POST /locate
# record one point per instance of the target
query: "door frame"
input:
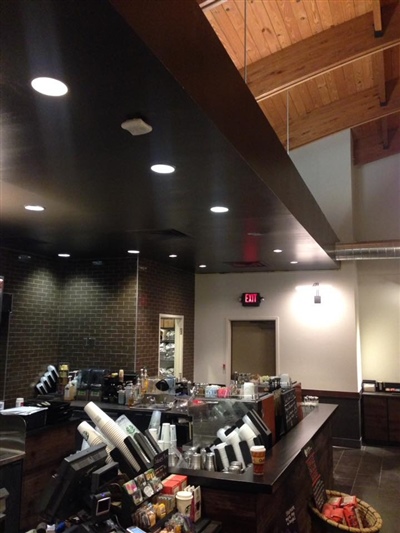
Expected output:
(228, 344)
(178, 356)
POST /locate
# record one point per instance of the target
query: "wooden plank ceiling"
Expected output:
(317, 67)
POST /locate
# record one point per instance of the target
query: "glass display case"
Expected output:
(210, 415)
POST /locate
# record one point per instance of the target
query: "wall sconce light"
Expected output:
(317, 296)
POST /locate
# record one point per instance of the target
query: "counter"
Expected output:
(259, 503)
(45, 448)
(380, 416)
(12, 453)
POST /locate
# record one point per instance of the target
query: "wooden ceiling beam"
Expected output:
(371, 148)
(321, 52)
(342, 114)
(385, 133)
(377, 13)
(378, 69)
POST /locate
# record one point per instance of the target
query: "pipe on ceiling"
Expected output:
(367, 250)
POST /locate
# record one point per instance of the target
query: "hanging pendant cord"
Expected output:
(287, 121)
(245, 41)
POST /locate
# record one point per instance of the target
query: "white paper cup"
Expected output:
(184, 502)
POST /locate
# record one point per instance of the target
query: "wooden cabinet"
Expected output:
(394, 419)
(381, 418)
(44, 450)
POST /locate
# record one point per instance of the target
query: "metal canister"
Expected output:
(237, 464)
(203, 453)
(210, 461)
(234, 469)
(196, 461)
(188, 456)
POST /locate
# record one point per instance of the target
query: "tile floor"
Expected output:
(373, 475)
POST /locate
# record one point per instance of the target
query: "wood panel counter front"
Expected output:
(264, 504)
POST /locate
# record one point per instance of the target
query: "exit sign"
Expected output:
(251, 299)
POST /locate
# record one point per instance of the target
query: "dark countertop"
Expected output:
(10, 456)
(382, 394)
(279, 458)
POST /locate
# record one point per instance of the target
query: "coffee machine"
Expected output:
(112, 382)
(90, 384)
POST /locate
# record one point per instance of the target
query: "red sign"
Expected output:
(251, 299)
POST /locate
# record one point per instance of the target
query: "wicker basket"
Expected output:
(368, 513)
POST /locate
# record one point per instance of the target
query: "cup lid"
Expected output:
(257, 449)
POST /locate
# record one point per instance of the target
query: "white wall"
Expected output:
(377, 200)
(325, 167)
(316, 343)
(357, 326)
(379, 294)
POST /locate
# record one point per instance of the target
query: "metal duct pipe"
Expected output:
(367, 250)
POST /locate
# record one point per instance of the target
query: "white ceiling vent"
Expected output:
(136, 126)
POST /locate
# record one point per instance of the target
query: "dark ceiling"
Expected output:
(162, 62)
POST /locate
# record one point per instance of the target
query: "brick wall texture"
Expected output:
(89, 316)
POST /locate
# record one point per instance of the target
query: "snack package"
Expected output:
(349, 500)
(328, 509)
(336, 501)
(337, 515)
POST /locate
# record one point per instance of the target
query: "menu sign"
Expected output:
(318, 488)
(290, 412)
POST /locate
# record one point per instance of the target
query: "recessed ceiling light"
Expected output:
(133, 252)
(64, 255)
(202, 266)
(219, 209)
(293, 262)
(172, 255)
(162, 169)
(49, 86)
(277, 251)
(34, 207)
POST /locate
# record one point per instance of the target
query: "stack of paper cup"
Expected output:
(154, 433)
(166, 434)
(111, 431)
(247, 434)
(172, 429)
(222, 452)
(233, 439)
(93, 438)
(155, 421)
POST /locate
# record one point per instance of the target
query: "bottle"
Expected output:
(67, 391)
(121, 397)
(145, 381)
(129, 394)
(72, 390)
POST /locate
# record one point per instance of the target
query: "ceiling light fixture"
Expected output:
(133, 252)
(219, 209)
(34, 207)
(49, 86)
(64, 255)
(293, 262)
(136, 126)
(277, 251)
(202, 266)
(162, 168)
(172, 255)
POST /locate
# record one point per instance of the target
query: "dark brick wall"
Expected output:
(98, 314)
(86, 315)
(164, 291)
(33, 327)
